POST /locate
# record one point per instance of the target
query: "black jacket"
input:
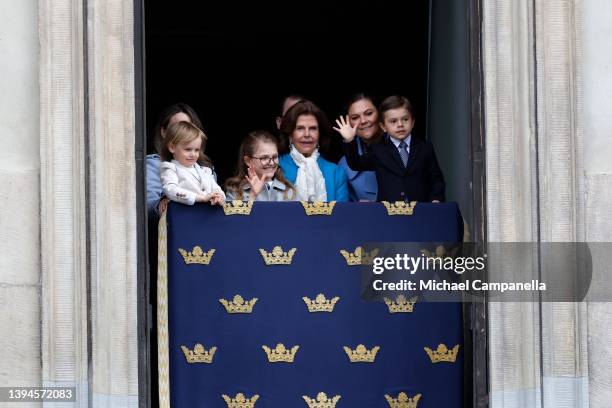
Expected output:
(421, 180)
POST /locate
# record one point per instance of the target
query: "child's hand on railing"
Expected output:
(163, 205)
(217, 198)
(203, 198)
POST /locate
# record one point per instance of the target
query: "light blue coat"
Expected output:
(335, 178)
(154, 185)
(362, 184)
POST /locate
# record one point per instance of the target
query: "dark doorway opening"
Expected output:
(235, 62)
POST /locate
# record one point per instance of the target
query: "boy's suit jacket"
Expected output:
(181, 185)
(420, 180)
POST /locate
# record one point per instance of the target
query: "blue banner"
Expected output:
(241, 321)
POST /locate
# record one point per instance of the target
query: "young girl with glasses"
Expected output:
(183, 179)
(258, 176)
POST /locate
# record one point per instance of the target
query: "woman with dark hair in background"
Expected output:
(363, 114)
(288, 102)
(305, 133)
(178, 112)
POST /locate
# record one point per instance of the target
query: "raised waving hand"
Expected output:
(347, 131)
(257, 183)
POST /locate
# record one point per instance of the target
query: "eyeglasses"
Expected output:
(267, 160)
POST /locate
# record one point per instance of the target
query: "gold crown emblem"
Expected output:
(320, 303)
(403, 401)
(199, 354)
(361, 354)
(443, 354)
(238, 305)
(240, 401)
(401, 304)
(197, 256)
(280, 353)
(322, 401)
(237, 207)
(359, 256)
(277, 256)
(400, 207)
(318, 207)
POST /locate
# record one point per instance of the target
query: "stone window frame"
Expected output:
(89, 203)
(90, 253)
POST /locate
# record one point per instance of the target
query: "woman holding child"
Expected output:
(178, 112)
(305, 133)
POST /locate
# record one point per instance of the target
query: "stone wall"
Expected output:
(597, 125)
(548, 84)
(20, 267)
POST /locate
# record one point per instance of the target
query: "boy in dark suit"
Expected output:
(406, 168)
